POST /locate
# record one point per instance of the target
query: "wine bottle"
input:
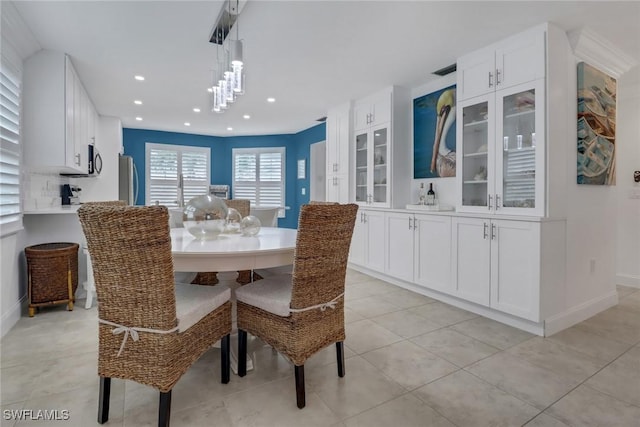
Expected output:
(431, 196)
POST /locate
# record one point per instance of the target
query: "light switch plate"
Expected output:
(303, 191)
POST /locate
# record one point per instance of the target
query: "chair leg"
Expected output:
(340, 356)
(300, 395)
(225, 360)
(164, 412)
(242, 353)
(103, 400)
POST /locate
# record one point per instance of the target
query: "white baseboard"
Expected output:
(579, 313)
(11, 317)
(628, 280)
(523, 324)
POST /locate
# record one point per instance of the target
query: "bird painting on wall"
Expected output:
(443, 160)
(434, 134)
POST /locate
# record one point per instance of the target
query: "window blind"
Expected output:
(10, 212)
(258, 175)
(167, 163)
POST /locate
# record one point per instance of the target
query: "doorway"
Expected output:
(317, 170)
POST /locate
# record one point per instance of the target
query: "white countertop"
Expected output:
(67, 209)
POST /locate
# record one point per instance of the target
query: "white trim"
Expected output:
(579, 313)
(11, 316)
(591, 47)
(525, 325)
(628, 280)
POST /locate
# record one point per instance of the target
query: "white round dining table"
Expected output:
(271, 247)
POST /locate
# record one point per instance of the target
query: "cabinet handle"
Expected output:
(485, 230)
(493, 231)
(409, 223)
(490, 79)
(497, 201)
(77, 159)
(498, 81)
(335, 167)
(364, 215)
(489, 201)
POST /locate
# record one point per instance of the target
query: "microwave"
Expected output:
(94, 161)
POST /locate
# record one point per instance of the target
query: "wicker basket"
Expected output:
(52, 274)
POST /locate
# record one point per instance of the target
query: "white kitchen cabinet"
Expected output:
(432, 252)
(373, 110)
(419, 249)
(337, 149)
(498, 264)
(501, 146)
(472, 258)
(368, 241)
(56, 114)
(400, 245)
(381, 149)
(513, 61)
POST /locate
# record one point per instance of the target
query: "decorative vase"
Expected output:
(205, 217)
(233, 221)
(250, 225)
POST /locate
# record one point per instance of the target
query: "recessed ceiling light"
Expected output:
(139, 119)
(137, 102)
(209, 89)
(187, 124)
(196, 110)
(229, 128)
(139, 78)
(271, 100)
(246, 117)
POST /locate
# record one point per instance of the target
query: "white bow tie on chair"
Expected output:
(133, 331)
(331, 304)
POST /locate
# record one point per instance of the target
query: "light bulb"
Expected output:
(216, 99)
(238, 79)
(228, 77)
(222, 88)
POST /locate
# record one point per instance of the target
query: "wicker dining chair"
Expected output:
(243, 206)
(302, 313)
(169, 325)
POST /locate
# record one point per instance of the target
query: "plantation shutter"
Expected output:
(258, 175)
(166, 163)
(10, 212)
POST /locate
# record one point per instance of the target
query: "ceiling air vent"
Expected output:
(322, 119)
(446, 70)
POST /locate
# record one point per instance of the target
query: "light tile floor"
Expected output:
(410, 361)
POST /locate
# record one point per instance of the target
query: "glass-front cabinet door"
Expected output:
(475, 155)
(372, 166)
(520, 158)
(362, 168)
(380, 165)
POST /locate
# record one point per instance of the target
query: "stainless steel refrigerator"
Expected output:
(127, 180)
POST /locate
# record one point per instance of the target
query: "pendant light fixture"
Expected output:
(228, 79)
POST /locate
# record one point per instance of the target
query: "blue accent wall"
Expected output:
(296, 148)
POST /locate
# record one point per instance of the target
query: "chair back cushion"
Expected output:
(130, 249)
(322, 251)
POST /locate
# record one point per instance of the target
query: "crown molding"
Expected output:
(591, 47)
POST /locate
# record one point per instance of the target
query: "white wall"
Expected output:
(628, 160)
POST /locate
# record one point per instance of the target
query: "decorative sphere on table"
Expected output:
(250, 225)
(205, 217)
(233, 221)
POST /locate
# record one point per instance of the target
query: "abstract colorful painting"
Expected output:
(596, 126)
(434, 134)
